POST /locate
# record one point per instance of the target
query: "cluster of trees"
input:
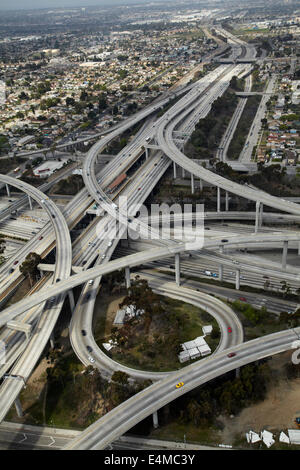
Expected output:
(29, 267)
(209, 131)
(49, 103)
(224, 395)
(69, 186)
(252, 314)
(271, 176)
(3, 144)
(237, 143)
(154, 333)
(84, 395)
(2, 248)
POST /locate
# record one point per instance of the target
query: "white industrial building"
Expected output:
(47, 168)
(193, 349)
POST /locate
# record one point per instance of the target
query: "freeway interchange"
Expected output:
(42, 308)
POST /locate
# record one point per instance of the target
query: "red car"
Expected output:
(41, 238)
(229, 329)
(16, 262)
(243, 299)
(231, 354)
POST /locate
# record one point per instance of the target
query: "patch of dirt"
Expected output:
(276, 413)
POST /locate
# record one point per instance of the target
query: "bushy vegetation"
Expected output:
(225, 395)
(152, 340)
(208, 133)
(69, 186)
(239, 138)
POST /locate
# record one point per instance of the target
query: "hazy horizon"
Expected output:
(39, 5)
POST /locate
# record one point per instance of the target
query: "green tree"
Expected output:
(120, 377)
(29, 266)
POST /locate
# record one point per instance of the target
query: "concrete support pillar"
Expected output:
(177, 268)
(155, 420)
(220, 272)
(52, 340)
(201, 184)
(71, 300)
(226, 201)
(218, 199)
(237, 372)
(127, 277)
(298, 248)
(183, 172)
(174, 170)
(257, 216)
(237, 279)
(192, 184)
(221, 248)
(261, 214)
(147, 153)
(30, 202)
(7, 190)
(284, 253)
(18, 407)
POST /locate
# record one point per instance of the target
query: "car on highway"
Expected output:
(180, 384)
(243, 299)
(88, 295)
(89, 348)
(53, 216)
(91, 281)
(110, 243)
(231, 354)
(16, 262)
(11, 271)
(91, 359)
(83, 332)
(103, 256)
(58, 279)
(224, 240)
(229, 329)
(214, 275)
(41, 238)
(83, 262)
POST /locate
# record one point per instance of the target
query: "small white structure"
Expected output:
(267, 438)
(294, 435)
(195, 348)
(207, 329)
(126, 314)
(252, 437)
(283, 438)
(200, 341)
(47, 168)
(204, 350)
(119, 318)
(194, 353)
(190, 344)
(108, 346)
(183, 356)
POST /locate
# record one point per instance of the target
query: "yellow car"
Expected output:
(180, 384)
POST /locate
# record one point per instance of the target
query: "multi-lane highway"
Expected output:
(160, 137)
